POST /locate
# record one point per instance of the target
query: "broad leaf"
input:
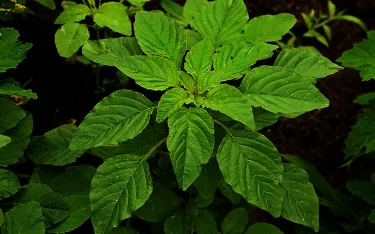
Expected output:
(206, 223)
(365, 99)
(222, 21)
(4, 140)
(300, 202)
(9, 184)
(362, 135)
(32, 192)
(307, 64)
(251, 164)
(48, 3)
(228, 192)
(174, 11)
(53, 147)
(363, 189)
(160, 35)
(107, 51)
(207, 181)
(361, 57)
(141, 144)
(201, 202)
(179, 223)
(263, 228)
(212, 79)
(236, 59)
(13, 88)
(235, 222)
(74, 13)
(12, 52)
(104, 152)
(10, 114)
(161, 204)
(79, 178)
(20, 138)
(113, 15)
(131, 186)
(268, 28)
(187, 81)
(150, 72)
(264, 118)
(191, 9)
(79, 207)
(118, 117)
(138, 3)
(199, 58)
(281, 91)
(228, 100)
(190, 143)
(193, 37)
(171, 100)
(70, 37)
(24, 219)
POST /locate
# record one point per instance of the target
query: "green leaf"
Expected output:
(131, 186)
(12, 52)
(74, 13)
(371, 217)
(70, 37)
(281, 91)
(160, 35)
(150, 72)
(79, 212)
(228, 192)
(79, 178)
(353, 19)
(53, 147)
(171, 100)
(307, 64)
(206, 223)
(179, 223)
(251, 164)
(192, 37)
(174, 10)
(207, 181)
(365, 99)
(1, 218)
(50, 4)
(113, 15)
(13, 88)
(23, 219)
(123, 230)
(319, 37)
(4, 140)
(141, 144)
(107, 51)
(187, 81)
(236, 59)
(307, 20)
(212, 79)
(9, 183)
(264, 118)
(20, 135)
(263, 228)
(201, 202)
(228, 100)
(161, 204)
(363, 189)
(190, 143)
(138, 3)
(361, 57)
(361, 135)
(54, 207)
(327, 31)
(268, 28)
(192, 8)
(222, 21)
(199, 58)
(104, 152)
(118, 117)
(10, 114)
(300, 202)
(235, 222)
(331, 8)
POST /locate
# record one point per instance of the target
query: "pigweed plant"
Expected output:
(200, 137)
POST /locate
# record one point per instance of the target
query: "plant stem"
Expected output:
(222, 125)
(156, 146)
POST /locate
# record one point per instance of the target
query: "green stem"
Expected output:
(222, 125)
(324, 23)
(156, 146)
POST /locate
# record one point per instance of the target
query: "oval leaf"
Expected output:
(118, 117)
(130, 187)
(190, 143)
(9, 183)
(74, 13)
(251, 164)
(235, 222)
(199, 58)
(170, 102)
(10, 114)
(263, 228)
(70, 37)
